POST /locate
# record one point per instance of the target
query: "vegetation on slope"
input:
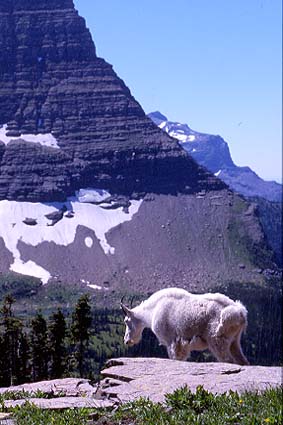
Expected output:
(181, 408)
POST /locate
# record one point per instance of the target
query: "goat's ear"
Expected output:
(126, 310)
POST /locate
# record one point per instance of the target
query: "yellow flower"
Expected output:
(240, 401)
(267, 420)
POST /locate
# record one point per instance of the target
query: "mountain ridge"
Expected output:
(213, 152)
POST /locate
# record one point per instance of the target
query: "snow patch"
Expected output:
(88, 242)
(43, 139)
(30, 269)
(191, 138)
(178, 131)
(182, 136)
(95, 218)
(92, 195)
(179, 136)
(163, 124)
(95, 286)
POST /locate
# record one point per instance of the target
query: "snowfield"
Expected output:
(94, 217)
(183, 134)
(43, 139)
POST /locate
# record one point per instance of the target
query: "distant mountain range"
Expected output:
(213, 153)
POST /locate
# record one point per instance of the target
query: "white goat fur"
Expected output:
(184, 322)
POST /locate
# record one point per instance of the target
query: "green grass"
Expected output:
(47, 417)
(22, 394)
(184, 407)
(181, 408)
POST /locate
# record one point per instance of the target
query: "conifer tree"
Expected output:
(57, 349)
(39, 348)
(23, 364)
(10, 341)
(80, 330)
(3, 363)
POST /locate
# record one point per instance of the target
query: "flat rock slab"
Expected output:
(5, 419)
(64, 393)
(126, 379)
(69, 387)
(62, 403)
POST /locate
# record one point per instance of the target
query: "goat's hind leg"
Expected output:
(237, 352)
(220, 347)
(197, 343)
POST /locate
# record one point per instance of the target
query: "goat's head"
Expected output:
(134, 326)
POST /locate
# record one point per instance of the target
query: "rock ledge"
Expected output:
(130, 378)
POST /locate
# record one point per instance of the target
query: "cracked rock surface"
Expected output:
(58, 394)
(127, 379)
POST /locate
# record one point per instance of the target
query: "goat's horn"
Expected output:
(127, 311)
(132, 300)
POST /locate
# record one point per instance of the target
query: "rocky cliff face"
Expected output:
(135, 209)
(52, 84)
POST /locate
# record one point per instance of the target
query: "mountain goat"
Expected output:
(184, 322)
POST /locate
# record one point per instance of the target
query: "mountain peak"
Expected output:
(213, 152)
(68, 122)
(26, 5)
(157, 116)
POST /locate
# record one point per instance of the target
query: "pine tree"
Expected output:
(80, 330)
(57, 349)
(10, 342)
(3, 363)
(23, 364)
(39, 348)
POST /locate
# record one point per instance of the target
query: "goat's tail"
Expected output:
(232, 319)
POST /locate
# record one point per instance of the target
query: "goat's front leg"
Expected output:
(171, 350)
(179, 349)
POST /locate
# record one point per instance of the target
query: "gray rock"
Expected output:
(153, 378)
(30, 221)
(61, 394)
(62, 403)
(126, 379)
(69, 387)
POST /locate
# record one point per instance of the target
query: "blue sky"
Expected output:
(213, 64)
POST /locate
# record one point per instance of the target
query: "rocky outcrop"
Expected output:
(127, 379)
(55, 85)
(64, 393)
